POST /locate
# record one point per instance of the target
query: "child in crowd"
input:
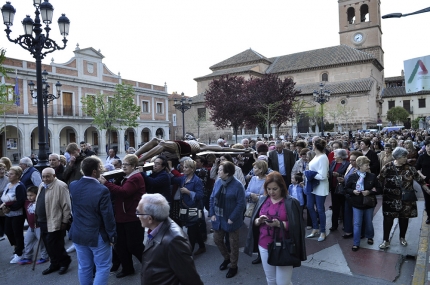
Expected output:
(32, 236)
(295, 189)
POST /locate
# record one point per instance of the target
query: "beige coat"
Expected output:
(57, 204)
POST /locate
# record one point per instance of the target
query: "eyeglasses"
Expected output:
(139, 214)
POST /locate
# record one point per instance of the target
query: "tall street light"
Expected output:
(322, 97)
(39, 45)
(183, 106)
(46, 99)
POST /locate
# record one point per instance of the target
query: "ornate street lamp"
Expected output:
(183, 106)
(47, 97)
(321, 97)
(39, 45)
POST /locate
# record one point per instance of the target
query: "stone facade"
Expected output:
(84, 74)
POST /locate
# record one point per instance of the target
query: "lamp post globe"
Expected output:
(321, 97)
(39, 44)
(182, 105)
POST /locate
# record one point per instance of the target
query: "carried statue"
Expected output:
(177, 149)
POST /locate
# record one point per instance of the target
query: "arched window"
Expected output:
(364, 13)
(351, 15)
(324, 77)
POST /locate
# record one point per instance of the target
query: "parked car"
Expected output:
(392, 129)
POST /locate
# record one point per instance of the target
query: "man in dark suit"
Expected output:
(282, 160)
(167, 258)
(93, 229)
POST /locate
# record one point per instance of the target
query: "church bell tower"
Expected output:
(360, 26)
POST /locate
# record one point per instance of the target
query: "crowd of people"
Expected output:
(277, 186)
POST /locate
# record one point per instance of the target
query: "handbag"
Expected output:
(340, 189)
(369, 201)
(249, 209)
(407, 195)
(283, 252)
(189, 215)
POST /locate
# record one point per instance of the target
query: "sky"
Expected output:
(175, 41)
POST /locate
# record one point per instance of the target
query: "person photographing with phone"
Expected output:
(275, 212)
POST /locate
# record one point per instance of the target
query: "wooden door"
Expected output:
(131, 140)
(67, 104)
(72, 138)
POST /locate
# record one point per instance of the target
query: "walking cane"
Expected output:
(37, 251)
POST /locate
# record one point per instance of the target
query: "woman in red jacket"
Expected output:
(126, 195)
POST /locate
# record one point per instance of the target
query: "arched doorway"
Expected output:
(113, 142)
(91, 136)
(11, 143)
(129, 138)
(145, 135)
(67, 135)
(159, 133)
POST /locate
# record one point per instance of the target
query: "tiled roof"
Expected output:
(318, 58)
(394, 78)
(400, 91)
(247, 56)
(241, 69)
(346, 87)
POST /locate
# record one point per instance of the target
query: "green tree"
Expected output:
(112, 112)
(397, 114)
(5, 104)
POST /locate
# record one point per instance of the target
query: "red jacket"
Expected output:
(126, 197)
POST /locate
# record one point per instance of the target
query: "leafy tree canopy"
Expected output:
(113, 111)
(271, 100)
(235, 102)
(397, 114)
(227, 102)
(5, 104)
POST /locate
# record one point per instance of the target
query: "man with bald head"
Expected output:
(53, 215)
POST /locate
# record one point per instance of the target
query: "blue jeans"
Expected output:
(319, 200)
(100, 256)
(361, 215)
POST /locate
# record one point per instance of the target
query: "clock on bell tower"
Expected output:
(360, 26)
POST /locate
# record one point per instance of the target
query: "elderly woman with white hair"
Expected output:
(30, 175)
(399, 199)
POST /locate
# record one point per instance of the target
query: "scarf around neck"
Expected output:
(360, 182)
(219, 202)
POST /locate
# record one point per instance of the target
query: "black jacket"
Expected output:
(167, 258)
(370, 181)
(296, 227)
(342, 169)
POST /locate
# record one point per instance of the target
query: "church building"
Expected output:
(352, 71)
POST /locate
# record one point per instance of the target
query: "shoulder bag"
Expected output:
(283, 252)
(407, 195)
(340, 189)
(250, 206)
(369, 201)
(188, 215)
